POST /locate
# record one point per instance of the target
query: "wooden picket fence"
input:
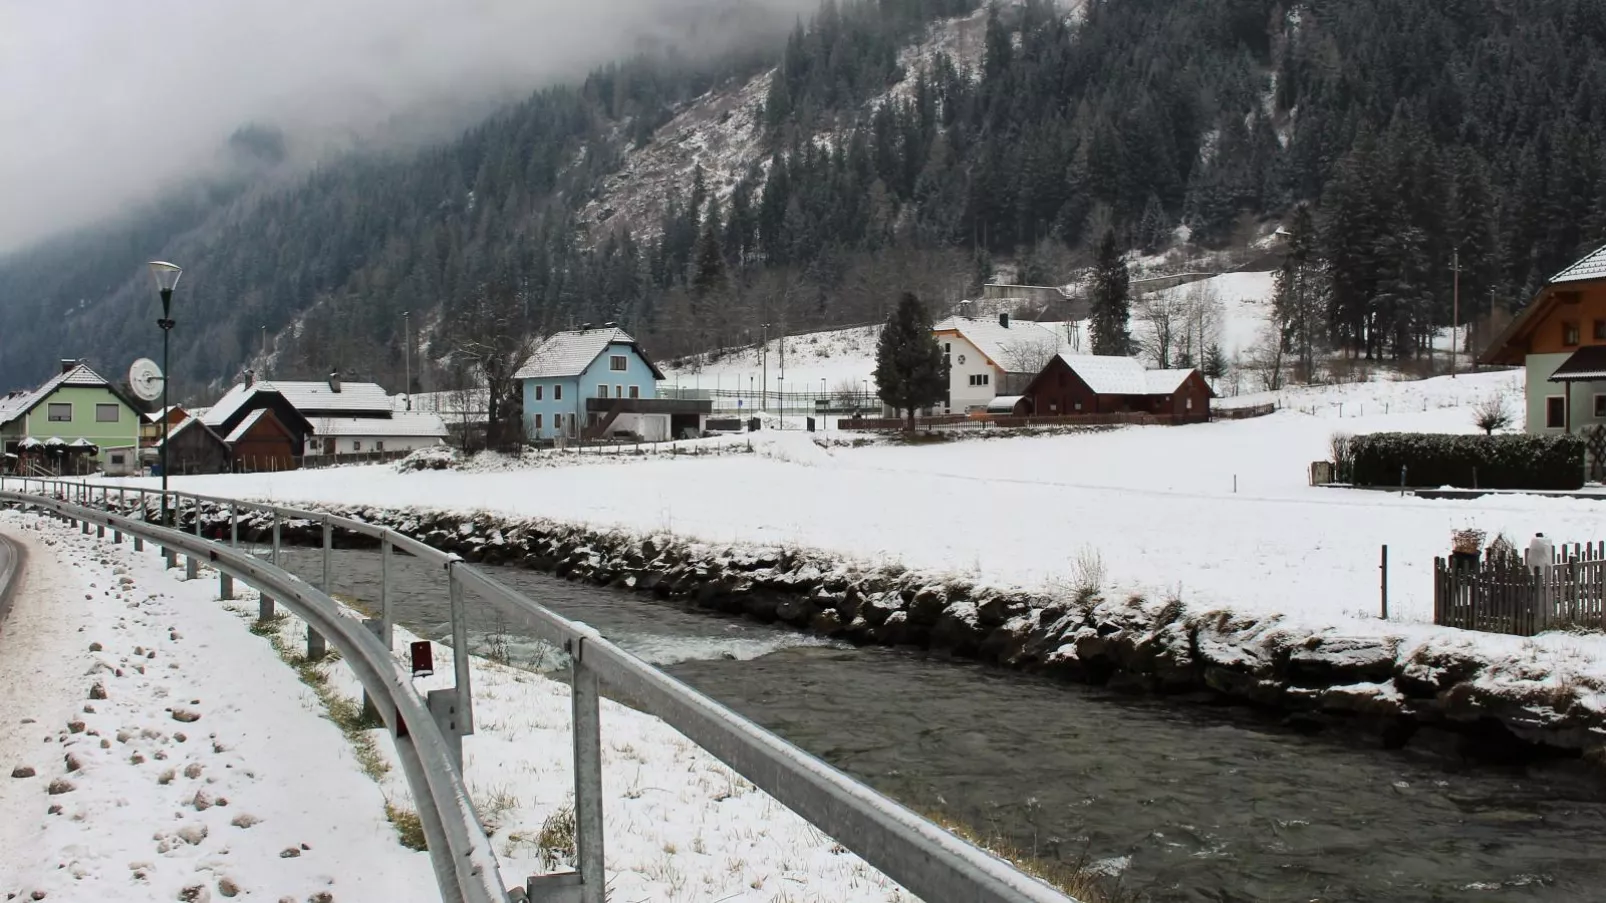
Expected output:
(1499, 594)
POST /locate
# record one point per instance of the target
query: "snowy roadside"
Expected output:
(173, 756)
(680, 825)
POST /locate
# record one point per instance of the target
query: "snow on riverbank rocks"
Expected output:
(1500, 693)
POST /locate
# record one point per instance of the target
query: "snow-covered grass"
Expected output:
(1219, 513)
(275, 790)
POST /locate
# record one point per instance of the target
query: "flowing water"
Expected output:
(1186, 803)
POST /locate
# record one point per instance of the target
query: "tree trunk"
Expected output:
(911, 420)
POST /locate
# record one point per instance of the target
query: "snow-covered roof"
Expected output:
(1020, 347)
(19, 403)
(1164, 382)
(174, 432)
(569, 353)
(1109, 374)
(405, 425)
(1004, 403)
(156, 416)
(1592, 266)
(308, 397)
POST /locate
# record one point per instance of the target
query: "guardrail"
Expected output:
(460, 852)
(921, 856)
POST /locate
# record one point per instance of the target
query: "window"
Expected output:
(557, 392)
(1189, 405)
(947, 347)
(979, 379)
(1600, 407)
(380, 445)
(618, 391)
(1569, 333)
(356, 445)
(59, 413)
(538, 388)
(1555, 412)
(107, 413)
(118, 459)
(616, 363)
(602, 390)
(1600, 330)
(538, 421)
(635, 391)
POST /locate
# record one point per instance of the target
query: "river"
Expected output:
(1188, 803)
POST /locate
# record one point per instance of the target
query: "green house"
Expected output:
(77, 405)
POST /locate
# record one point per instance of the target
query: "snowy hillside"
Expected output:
(841, 357)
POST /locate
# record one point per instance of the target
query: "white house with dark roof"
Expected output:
(591, 383)
(401, 431)
(328, 417)
(991, 356)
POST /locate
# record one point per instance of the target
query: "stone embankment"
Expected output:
(1391, 686)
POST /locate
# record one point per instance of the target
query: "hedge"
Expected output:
(1515, 461)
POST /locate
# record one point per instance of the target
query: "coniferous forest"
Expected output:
(1392, 137)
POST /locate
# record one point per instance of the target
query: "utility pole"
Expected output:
(264, 351)
(407, 355)
(1455, 313)
(764, 364)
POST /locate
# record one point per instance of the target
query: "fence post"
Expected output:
(587, 775)
(225, 590)
(1402, 479)
(234, 525)
(1384, 567)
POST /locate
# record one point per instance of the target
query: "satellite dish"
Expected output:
(146, 379)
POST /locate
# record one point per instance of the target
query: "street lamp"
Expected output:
(166, 276)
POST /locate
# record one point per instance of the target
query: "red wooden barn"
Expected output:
(1106, 384)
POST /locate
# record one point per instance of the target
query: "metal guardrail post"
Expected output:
(386, 632)
(275, 539)
(234, 525)
(225, 591)
(316, 648)
(169, 558)
(192, 567)
(587, 775)
(460, 663)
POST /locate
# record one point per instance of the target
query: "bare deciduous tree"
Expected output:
(1265, 358)
(1030, 353)
(490, 337)
(1162, 318)
(1492, 413)
(1201, 325)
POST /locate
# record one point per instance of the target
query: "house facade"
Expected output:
(1072, 384)
(77, 404)
(192, 448)
(988, 357)
(401, 431)
(1560, 341)
(593, 383)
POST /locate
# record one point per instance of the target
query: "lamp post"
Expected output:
(166, 275)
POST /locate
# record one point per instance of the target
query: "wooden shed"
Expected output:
(262, 443)
(193, 448)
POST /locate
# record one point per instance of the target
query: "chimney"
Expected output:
(334, 380)
(1003, 320)
(610, 325)
(250, 378)
(584, 327)
(67, 365)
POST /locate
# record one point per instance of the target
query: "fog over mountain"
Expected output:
(107, 103)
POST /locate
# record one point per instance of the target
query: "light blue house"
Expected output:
(593, 383)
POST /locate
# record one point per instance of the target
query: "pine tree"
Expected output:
(708, 264)
(909, 372)
(1111, 300)
(1299, 298)
(1214, 365)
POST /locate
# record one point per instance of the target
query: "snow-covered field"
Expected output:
(1219, 513)
(841, 357)
(264, 797)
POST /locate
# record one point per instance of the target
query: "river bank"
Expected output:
(1503, 698)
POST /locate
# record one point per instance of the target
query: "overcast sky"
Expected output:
(103, 101)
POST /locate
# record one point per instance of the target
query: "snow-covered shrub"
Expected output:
(438, 457)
